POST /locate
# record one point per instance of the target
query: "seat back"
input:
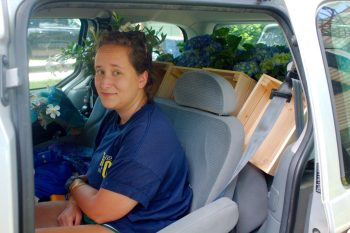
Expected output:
(211, 137)
(89, 133)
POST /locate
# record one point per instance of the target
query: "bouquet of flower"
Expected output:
(42, 111)
(52, 105)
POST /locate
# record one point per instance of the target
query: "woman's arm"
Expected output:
(101, 205)
(71, 215)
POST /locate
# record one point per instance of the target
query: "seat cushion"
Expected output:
(213, 146)
(205, 91)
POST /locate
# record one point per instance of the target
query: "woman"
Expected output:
(137, 179)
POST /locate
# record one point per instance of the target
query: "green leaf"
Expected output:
(233, 42)
(222, 32)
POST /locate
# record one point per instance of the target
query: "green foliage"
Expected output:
(250, 33)
(222, 59)
(155, 38)
(116, 21)
(85, 53)
(223, 50)
(166, 57)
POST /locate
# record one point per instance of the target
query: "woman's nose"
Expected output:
(105, 80)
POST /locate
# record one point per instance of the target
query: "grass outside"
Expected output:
(43, 74)
(43, 83)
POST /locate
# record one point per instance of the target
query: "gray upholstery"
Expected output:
(218, 216)
(251, 198)
(87, 137)
(213, 144)
(205, 91)
(277, 194)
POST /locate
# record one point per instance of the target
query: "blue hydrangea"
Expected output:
(198, 52)
(206, 51)
(251, 68)
(198, 42)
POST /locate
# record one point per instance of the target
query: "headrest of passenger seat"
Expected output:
(205, 91)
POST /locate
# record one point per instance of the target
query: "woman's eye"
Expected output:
(99, 72)
(116, 73)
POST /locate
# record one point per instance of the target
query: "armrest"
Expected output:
(219, 216)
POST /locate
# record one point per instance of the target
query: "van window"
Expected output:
(46, 39)
(271, 35)
(174, 36)
(334, 26)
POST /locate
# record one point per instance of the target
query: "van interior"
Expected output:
(218, 110)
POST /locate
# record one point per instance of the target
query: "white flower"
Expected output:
(34, 99)
(126, 27)
(53, 111)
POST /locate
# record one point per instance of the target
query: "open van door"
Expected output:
(328, 23)
(16, 197)
(9, 219)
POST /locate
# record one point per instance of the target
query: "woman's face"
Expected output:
(117, 82)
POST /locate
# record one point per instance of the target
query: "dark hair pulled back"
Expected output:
(140, 54)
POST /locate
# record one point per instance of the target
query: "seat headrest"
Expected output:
(205, 91)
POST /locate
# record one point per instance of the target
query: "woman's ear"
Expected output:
(143, 78)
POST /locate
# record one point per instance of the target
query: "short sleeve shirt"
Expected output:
(142, 159)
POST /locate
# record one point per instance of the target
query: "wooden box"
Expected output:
(241, 82)
(159, 71)
(268, 154)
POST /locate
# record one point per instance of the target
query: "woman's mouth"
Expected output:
(107, 94)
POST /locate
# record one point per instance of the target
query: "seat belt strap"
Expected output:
(263, 128)
(298, 106)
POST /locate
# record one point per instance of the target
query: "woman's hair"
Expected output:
(140, 54)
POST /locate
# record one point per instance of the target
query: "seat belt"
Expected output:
(298, 106)
(278, 99)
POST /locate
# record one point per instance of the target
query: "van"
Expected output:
(297, 177)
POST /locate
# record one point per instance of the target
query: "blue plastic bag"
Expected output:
(55, 164)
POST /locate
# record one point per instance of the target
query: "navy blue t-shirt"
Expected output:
(142, 159)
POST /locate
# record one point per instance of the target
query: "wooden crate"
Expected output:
(268, 154)
(241, 82)
(159, 71)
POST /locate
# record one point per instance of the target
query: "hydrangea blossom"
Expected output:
(210, 51)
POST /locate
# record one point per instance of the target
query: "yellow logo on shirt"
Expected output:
(105, 163)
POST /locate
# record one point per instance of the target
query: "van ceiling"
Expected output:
(180, 15)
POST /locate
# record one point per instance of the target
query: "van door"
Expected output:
(333, 22)
(9, 220)
(17, 199)
(323, 39)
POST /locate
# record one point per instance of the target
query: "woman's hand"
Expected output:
(71, 215)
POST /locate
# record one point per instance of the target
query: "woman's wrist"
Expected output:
(75, 181)
(75, 184)
(84, 178)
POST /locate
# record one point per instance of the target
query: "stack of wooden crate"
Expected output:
(241, 82)
(252, 99)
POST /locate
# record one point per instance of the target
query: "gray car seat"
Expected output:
(88, 135)
(213, 143)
